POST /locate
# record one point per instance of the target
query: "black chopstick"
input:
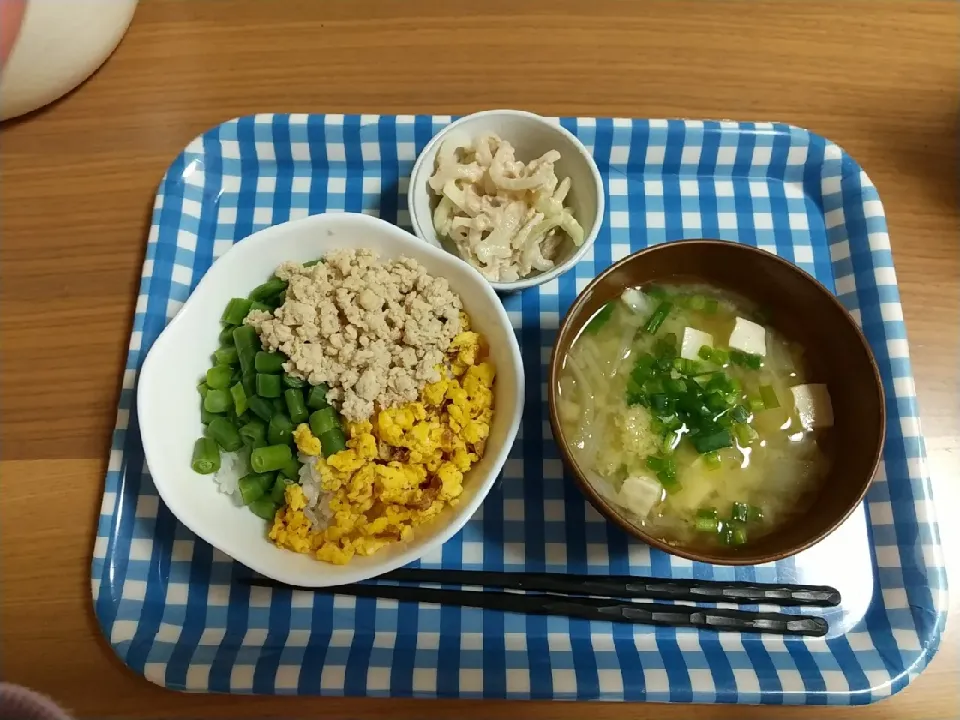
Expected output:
(626, 586)
(587, 608)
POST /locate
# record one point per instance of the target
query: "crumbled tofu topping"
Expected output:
(375, 332)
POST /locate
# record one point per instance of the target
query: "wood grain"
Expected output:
(878, 77)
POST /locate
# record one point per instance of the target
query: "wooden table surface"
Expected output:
(879, 78)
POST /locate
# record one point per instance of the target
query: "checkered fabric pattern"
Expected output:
(165, 600)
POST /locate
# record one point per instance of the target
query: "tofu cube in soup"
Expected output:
(692, 341)
(748, 337)
(639, 494)
(813, 406)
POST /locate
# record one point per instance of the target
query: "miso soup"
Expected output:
(694, 417)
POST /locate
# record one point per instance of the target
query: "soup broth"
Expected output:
(692, 416)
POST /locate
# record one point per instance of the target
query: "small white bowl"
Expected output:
(168, 405)
(532, 136)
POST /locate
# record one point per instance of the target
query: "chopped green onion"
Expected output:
(670, 441)
(712, 460)
(739, 414)
(705, 353)
(711, 306)
(720, 357)
(755, 402)
(708, 442)
(697, 302)
(601, 318)
(738, 535)
(206, 456)
(745, 434)
(740, 512)
(675, 386)
(706, 524)
(658, 316)
(755, 514)
(769, 397)
(235, 311)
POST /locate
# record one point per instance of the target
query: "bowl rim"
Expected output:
(533, 280)
(604, 507)
(462, 512)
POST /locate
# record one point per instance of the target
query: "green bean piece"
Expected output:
(235, 311)
(246, 337)
(277, 491)
(254, 433)
(311, 263)
(271, 287)
(206, 416)
(275, 301)
(236, 377)
(225, 433)
(202, 389)
(254, 485)
(658, 316)
(296, 408)
(294, 382)
(206, 456)
(279, 405)
(263, 409)
(280, 430)
(270, 458)
(322, 421)
(249, 382)
(268, 386)
(317, 397)
(292, 470)
(239, 398)
(262, 307)
(269, 362)
(226, 335)
(264, 508)
(332, 442)
(247, 360)
(218, 377)
(217, 401)
(227, 355)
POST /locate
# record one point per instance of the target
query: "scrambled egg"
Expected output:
(400, 470)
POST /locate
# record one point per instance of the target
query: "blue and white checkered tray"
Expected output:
(165, 600)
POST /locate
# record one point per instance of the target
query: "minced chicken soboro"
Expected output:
(682, 409)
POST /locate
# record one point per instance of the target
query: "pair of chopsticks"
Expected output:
(594, 597)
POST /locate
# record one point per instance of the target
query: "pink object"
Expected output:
(18, 703)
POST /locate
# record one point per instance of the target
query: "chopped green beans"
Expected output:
(277, 491)
(280, 430)
(218, 377)
(279, 406)
(601, 318)
(262, 307)
(226, 335)
(769, 397)
(217, 401)
(332, 442)
(271, 287)
(294, 382)
(235, 311)
(206, 456)
(239, 398)
(311, 263)
(254, 433)
(264, 508)
(254, 485)
(225, 434)
(260, 407)
(658, 316)
(708, 442)
(249, 382)
(202, 389)
(227, 355)
(205, 415)
(268, 386)
(322, 421)
(296, 408)
(270, 458)
(292, 469)
(245, 337)
(740, 512)
(269, 362)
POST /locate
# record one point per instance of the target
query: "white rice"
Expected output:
(317, 510)
(233, 466)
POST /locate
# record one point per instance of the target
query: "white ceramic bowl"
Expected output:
(169, 409)
(532, 136)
